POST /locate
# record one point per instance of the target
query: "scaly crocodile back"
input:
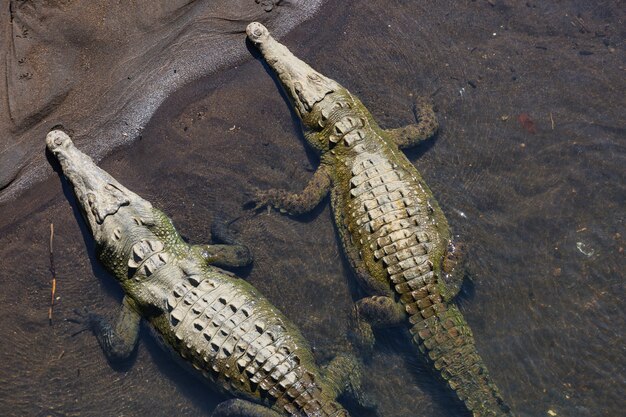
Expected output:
(231, 334)
(393, 231)
(217, 324)
(213, 321)
(401, 236)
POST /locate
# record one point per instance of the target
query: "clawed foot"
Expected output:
(361, 334)
(84, 317)
(260, 199)
(255, 200)
(220, 230)
(365, 400)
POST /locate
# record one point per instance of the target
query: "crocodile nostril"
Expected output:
(256, 31)
(56, 138)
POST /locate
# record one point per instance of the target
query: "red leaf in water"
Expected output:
(527, 123)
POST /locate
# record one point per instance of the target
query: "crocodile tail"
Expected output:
(444, 337)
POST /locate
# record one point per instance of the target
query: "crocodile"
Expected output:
(214, 323)
(392, 230)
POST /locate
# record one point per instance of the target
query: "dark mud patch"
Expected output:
(541, 213)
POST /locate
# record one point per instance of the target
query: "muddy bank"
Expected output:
(102, 69)
(528, 166)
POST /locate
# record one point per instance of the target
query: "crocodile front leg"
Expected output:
(242, 408)
(297, 203)
(226, 256)
(231, 254)
(118, 341)
(426, 126)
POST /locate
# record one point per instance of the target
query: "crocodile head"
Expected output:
(99, 195)
(304, 86)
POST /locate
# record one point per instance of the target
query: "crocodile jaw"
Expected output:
(99, 194)
(303, 84)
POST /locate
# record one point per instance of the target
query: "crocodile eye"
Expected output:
(315, 78)
(301, 98)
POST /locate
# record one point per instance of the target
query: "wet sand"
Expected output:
(542, 213)
(101, 70)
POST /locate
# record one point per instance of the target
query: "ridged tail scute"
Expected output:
(442, 334)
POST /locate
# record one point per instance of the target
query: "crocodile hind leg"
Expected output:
(375, 312)
(413, 134)
(344, 372)
(118, 341)
(380, 311)
(453, 267)
(242, 408)
(296, 203)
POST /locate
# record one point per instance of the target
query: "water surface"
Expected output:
(540, 206)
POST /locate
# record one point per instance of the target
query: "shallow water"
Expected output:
(542, 213)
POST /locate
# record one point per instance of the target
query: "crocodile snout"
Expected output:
(256, 32)
(57, 138)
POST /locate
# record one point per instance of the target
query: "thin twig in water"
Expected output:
(54, 279)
